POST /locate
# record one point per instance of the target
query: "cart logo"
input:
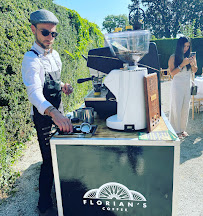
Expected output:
(114, 196)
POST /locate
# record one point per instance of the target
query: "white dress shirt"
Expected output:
(33, 73)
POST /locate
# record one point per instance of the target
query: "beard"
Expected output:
(48, 46)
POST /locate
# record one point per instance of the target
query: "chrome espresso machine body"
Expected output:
(100, 63)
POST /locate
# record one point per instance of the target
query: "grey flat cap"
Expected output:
(43, 16)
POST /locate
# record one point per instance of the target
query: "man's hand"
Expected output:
(61, 121)
(67, 89)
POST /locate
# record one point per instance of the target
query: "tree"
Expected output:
(189, 30)
(136, 15)
(164, 18)
(111, 22)
(187, 14)
(157, 16)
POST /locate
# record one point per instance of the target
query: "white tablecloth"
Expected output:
(199, 83)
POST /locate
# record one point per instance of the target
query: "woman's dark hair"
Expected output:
(179, 54)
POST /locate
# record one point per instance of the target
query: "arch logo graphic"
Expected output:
(114, 196)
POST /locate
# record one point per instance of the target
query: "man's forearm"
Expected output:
(49, 110)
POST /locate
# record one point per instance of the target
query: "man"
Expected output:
(41, 70)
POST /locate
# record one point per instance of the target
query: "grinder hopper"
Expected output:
(129, 46)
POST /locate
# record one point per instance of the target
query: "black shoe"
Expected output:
(49, 212)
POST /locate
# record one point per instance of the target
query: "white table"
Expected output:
(199, 97)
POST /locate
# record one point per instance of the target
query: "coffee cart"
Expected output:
(120, 168)
(115, 173)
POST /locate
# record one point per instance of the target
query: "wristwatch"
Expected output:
(179, 67)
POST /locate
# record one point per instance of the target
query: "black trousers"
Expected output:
(43, 127)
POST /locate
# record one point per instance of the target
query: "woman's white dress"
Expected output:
(180, 100)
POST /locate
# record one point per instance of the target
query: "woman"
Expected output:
(181, 66)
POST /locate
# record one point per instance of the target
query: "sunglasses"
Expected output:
(46, 32)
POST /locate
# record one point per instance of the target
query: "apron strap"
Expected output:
(34, 52)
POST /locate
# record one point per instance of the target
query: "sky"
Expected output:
(95, 11)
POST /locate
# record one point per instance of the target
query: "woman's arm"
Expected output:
(176, 70)
(193, 64)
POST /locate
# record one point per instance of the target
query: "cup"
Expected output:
(78, 113)
(85, 127)
(97, 83)
(88, 115)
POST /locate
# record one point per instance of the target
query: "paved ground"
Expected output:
(190, 193)
(190, 190)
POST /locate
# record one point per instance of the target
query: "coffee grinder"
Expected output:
(127, 83)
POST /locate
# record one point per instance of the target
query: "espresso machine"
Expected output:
(127, 83)
(101, 62)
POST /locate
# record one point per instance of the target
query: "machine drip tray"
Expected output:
(76, 133)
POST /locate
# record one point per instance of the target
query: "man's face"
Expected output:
(44, 41)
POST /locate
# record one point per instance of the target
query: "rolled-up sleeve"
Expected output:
(31, 69)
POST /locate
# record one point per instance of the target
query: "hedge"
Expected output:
(8, 156)
(166, 47)
(76, 37)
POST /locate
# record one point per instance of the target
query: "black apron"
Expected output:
(43, 124)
